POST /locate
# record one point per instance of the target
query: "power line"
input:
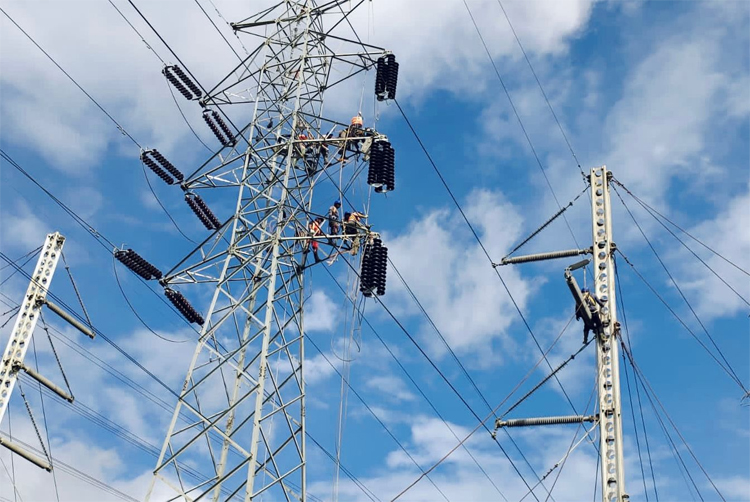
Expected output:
(679, 290)
(182, 114)
(145, 370)
(651, 211)
(62, 205)
(161, 205)
(30, 257)
(135, 313)
(148, 46)
(645, 205)
(483, 248)
(518, 118)
(108, 245)
(218, 30)
(100, 333)
(621, 300)
(414, 383)
(494, 411)
(377, 418)
(679, 319)
(78, 474)
(541, 88)
(169, 48)
(649, 393)
(44, 418)
(122, 129)
(437, 369)
(459, 363)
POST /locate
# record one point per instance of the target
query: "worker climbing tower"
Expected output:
(238, 429)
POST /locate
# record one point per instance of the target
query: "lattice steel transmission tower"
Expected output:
(238, 429)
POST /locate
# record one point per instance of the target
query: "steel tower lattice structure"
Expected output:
(241, 409)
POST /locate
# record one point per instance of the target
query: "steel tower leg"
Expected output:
(607, 349)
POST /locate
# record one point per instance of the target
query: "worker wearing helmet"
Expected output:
(592, 303)
(334, 225)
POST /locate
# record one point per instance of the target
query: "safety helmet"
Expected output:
(585, 290)
(337, 202)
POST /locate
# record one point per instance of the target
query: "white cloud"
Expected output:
(321, 314)
(443, 50)
(318, 369)
(735, 488)
(391, 387)
(448, 272)
(59, 122)
(22, 230)
(728, 232)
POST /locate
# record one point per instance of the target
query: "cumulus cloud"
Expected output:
(728, 232)
(61, 124)
(450, 274)
(22, 229)
(321, 314)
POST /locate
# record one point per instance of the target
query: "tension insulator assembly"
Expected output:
(137, 264)
(218, 127)
(182, 82)
(160, 166)
(181, 304)
(374, 265)
(202, 211)
(382, 171)
(386, 77)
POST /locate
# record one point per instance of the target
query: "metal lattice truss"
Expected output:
(240, 418)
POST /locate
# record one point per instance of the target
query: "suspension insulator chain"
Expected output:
(386, 77)
(381, 174)
(202, 211)
(138, 264)
(185, 308)
(173, 73)
(374, 267)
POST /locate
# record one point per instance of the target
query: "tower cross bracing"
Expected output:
(241, 408)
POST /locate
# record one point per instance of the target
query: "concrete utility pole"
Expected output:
(603, 321)
(29, 312)
(607, 348)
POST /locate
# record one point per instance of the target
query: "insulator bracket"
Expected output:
(529, 422)
(542, 256)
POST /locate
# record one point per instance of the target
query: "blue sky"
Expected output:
(657, 91)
